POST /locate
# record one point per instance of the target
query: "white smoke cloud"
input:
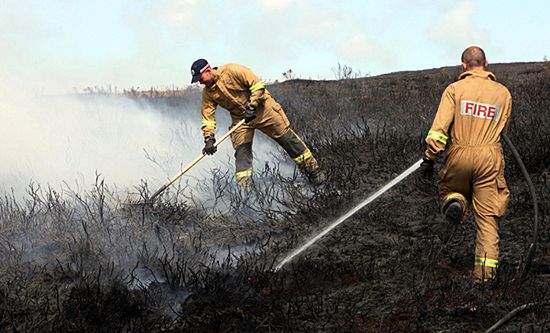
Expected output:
(52, 140)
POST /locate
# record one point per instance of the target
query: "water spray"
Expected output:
(354, 210)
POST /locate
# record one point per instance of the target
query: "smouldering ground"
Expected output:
(90, 263)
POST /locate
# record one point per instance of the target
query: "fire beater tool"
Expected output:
(189, 166)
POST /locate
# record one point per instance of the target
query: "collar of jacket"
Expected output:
(478, 73)
(219, 71)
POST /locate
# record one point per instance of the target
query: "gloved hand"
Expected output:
(249, 113)
(426, 168)
(209, 147)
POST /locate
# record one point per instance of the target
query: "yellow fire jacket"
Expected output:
(476, 107)
(235, 87)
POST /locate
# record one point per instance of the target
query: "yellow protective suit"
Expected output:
(474, 111)
(235, 87)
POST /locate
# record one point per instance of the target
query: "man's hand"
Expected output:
(249, 113)
(209, 147)
(426, 168)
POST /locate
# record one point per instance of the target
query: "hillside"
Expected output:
(393, 267)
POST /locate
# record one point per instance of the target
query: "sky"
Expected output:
(59, 46)
(50, 49)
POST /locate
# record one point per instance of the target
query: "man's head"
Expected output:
(473, 58)
(202, 72)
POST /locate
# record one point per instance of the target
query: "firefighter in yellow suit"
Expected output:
(472, 114)
(237, 89)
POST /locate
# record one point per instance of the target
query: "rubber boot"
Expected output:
(317, 177)
(310, 169)
(454, 207)
(454, 212)
(245, 183)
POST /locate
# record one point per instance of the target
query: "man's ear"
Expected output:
(464, 66)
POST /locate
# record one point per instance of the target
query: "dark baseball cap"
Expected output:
(197, 68)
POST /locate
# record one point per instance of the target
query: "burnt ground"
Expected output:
(393, 267)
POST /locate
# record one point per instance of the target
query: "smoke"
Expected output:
(67, 140)
(64, 141)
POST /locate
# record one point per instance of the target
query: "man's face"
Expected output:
(208, 77)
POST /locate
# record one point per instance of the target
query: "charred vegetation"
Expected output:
(83, 262)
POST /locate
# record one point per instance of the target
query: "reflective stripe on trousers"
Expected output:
(486, 262)
(290, 142)
(243, 161)
(300, 159)
(240, 175)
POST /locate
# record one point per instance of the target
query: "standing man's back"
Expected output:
(473, 112)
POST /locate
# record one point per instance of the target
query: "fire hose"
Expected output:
(525, 265)
(526, 262)
(354, 210)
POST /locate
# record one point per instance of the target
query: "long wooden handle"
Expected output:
(195, 161)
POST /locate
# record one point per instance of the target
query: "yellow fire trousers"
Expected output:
(477, 173)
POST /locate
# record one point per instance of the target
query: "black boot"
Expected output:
(316, 177)
(454, 212)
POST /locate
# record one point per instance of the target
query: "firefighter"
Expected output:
(237, 89)
(472, 114)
